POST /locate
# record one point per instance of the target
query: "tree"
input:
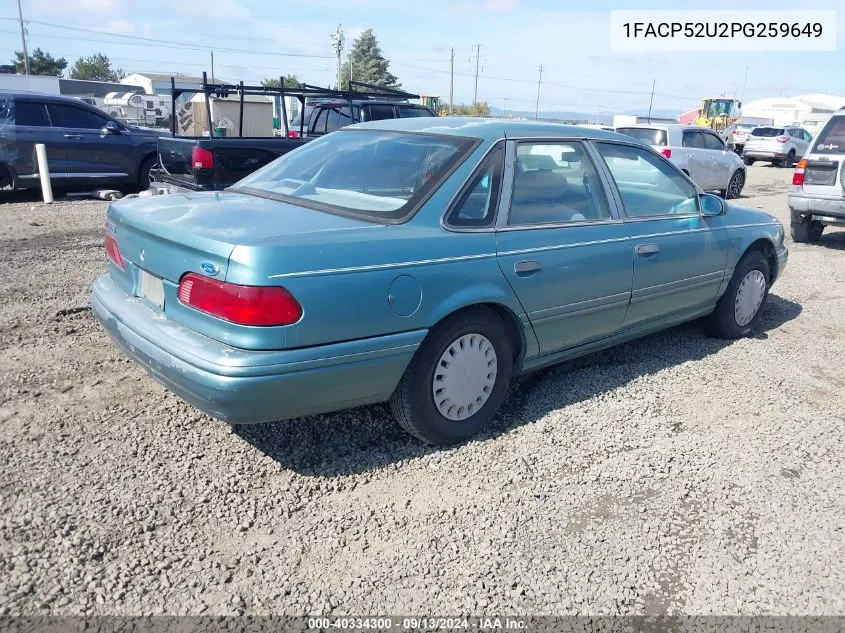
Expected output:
(368, 64)
(291, 81)
(97, 67)
(40, 63)
(476, 109)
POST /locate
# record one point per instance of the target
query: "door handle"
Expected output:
(527, 267)
(75, 137)
(644, 250)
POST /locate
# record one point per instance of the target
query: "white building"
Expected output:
(809, 111)
(30, 83)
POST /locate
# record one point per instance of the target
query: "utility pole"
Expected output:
(212, 66)
(505, 109)
(23, 40)
(451, 80)
(337, 44)
(539, 82)
(477, 48)
(651, 101)
(744, 82)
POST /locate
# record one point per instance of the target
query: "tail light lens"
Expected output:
(798, 175)
(667, 152)
(782, 139)
(293, 133)
(245, 305)
(113, 252)
(202, 158)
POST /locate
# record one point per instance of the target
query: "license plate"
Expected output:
(151, 289)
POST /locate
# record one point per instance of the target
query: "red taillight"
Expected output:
(782, 139)
(202, 158)
(113, 252)
(798, 176)
(667, 152)
(246, 305)
(293, 133)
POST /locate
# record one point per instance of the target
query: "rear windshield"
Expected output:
(646, 134)
(831, 139)
(297, 120)
(374, 175)
(746, 126)
(767, 131)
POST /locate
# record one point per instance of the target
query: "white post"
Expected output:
(44, 173)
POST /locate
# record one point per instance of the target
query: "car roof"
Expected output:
(342, 102)
(489, 129)
(40, 96)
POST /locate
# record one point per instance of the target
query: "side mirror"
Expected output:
(711, 205)
(111, 128)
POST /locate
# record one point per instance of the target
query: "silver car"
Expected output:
(777, 145)
(817, 195)
(697, 151)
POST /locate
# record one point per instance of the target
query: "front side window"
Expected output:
(31, 114)
(649, 186)
(711, 141)
(556, 183)
(477, 205)
(79, 118)
(374, 175)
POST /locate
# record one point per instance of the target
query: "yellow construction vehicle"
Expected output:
(718, 113)
(432, 103)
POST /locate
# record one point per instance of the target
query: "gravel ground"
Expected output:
(675, 474)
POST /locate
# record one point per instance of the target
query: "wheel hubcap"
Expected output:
(736, 185)
(464, 377)
(749, 297)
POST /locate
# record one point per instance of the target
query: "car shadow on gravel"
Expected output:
(367, 438)
(832, 239)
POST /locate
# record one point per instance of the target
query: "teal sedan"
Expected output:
(423, 262)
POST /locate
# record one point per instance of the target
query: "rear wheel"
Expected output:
(806, 232)
(748, 161)
(738, 310)
(457, 380)
(789, 159)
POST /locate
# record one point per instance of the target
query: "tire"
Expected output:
(413, 402)
(748, 161)
(735, 185)
(789, 159)
(144, 172)
(806, 232)
(752, 272)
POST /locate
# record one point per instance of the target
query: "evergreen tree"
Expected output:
(368, 63)
(40, 63)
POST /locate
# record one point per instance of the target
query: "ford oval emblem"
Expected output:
(210, 269)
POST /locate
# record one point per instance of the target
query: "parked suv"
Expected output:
(85, 147)
(778, 145)
(817, 195)
(698, 152)
(328, 116)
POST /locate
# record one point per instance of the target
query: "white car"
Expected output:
(817, 195)
(777, 145)
(697, 151)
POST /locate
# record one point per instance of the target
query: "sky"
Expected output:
(254, 39)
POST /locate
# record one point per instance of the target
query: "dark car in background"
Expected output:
(86, 149)
(328, 116)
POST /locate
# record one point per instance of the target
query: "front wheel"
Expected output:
(144, 173)
(457, 380)
(738, 310)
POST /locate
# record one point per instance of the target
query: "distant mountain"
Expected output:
(570, 116)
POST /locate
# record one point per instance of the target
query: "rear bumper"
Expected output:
(245, 386)
(822, 209)
(162, 183)
(763, 154)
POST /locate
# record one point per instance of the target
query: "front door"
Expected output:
(562, 249)
(698, 161)
(679, 255)
(720, 160)
(90, 153)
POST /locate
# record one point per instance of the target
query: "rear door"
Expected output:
(562, 247)
(823, 174)
(91, 154)
(23, 124)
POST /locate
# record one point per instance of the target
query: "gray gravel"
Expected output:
(676, 474)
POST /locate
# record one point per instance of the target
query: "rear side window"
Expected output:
(477, 205)
(337, 118)
(410, 112)
(380, 112)
(767, 131)
(691, 138)
(831, 139)
(31, 113)
(73, 117)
